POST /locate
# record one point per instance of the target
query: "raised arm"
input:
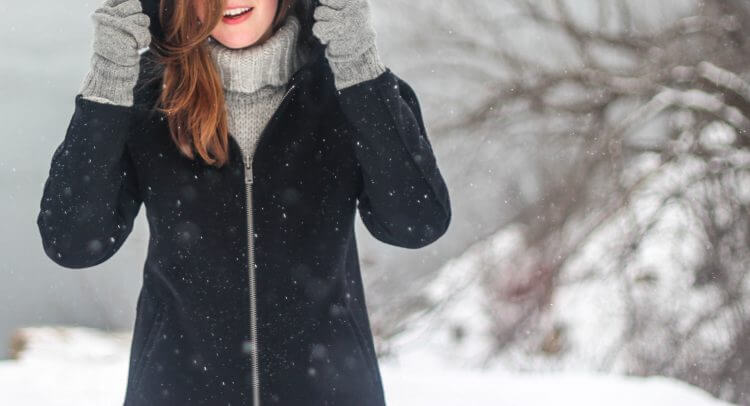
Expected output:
(403, 199)
(91, 198)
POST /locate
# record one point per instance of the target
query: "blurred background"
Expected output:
(597, 155)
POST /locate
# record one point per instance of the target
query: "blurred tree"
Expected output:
(634, 119)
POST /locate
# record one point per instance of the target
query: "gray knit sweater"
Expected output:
(254, 80)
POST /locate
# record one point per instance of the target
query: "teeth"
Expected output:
(236, 11)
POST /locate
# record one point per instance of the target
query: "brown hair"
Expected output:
(192, 96)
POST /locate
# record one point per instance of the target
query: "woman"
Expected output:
(251, 131)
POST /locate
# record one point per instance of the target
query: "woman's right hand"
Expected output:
(121, 30)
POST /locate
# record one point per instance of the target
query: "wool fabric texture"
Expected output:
(345, 27)
(254, 80)
(120, 31)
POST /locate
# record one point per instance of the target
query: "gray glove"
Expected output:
(121, 30)
(345, 27)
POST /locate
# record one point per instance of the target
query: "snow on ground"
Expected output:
(419, 386)
(433, 367)
(86, 367)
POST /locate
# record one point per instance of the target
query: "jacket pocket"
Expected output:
(149, 343)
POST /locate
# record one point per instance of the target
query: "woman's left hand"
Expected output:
(346, 28)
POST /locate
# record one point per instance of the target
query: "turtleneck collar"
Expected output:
(271, 63)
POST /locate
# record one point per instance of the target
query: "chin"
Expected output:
(237, 43)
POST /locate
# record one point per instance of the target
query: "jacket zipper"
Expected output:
(248, 158)
(251, 275)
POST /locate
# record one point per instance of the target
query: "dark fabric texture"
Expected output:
(324, 155)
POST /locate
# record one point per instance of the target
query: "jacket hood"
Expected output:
(302, 8)
(151, 9)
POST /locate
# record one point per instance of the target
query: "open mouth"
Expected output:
(236, 14)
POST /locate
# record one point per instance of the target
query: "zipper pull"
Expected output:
(248, 170)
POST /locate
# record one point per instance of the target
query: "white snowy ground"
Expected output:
(83, 367)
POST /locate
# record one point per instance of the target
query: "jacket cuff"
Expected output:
(362, 68)
(107, 82)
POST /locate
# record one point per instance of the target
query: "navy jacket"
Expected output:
(222, 319)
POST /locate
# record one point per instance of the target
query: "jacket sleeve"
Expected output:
(90, 198)
(402, 199)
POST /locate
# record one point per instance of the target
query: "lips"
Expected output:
(236, 19)
(236, 13)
